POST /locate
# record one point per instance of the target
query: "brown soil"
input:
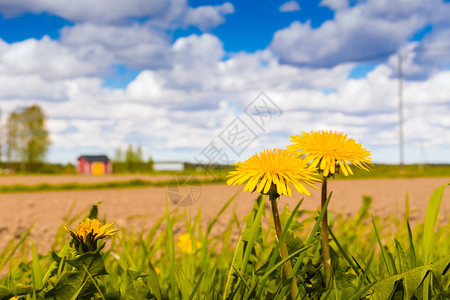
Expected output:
(142, 207)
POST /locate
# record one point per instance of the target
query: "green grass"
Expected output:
(238, 259)
(395, 171)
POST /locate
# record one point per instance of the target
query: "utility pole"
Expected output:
(400, 109)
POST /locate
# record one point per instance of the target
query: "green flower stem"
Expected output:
(325, 245)
(283, 249)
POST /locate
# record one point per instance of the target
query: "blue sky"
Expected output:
(173, 76)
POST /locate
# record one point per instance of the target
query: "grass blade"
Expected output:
(412, 251)
(170, 239)
(365, 273)
(252, 234)
(362, 292)
(211, 285)
(311, 237)
(214, 220)
(248, 238)
(402, 261)
(278, 245)
(429, 226)
(431, 216)
(194, 291)
(280, 263)
(20, 242)
(387, 259)
(341, 249)
(36, 272)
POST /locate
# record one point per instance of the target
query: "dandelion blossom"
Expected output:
(276, 167)
(88, 232)
(185, 243)
(330, 151)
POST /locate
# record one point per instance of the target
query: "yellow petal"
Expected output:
(323, 163)
(261, 184)
(348, 167)
(344, 170)
(288, 187)
(267, 187)
(283, 186)
(315, 163)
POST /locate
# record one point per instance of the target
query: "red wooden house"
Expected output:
(94, 165)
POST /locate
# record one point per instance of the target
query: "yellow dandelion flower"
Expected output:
(276, 167)
(185, 243)
(88, 232)
(330, 151)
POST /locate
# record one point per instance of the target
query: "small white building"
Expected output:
(168, 166)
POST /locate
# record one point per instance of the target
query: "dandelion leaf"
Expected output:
(67, 286)
(410, 281)
(93, 213)
(18, 290)
(133, 288)
(113, 295)
(92, 261)
(153, 281)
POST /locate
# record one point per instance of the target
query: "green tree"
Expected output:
(130, 159)
(35, 135)
(139, 155)
(27, 138)
(118, 156)
(12, 137)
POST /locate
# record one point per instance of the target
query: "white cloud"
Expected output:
(194, 49)
(335, 4)
(350, 37)
(100, 11)
(31, 87)
(161, 13)
(208, 17)
(57, 125)
(421, 60)
(137, 46)
(47, 58)
(289, 6)
(146, 86)
(363, 31)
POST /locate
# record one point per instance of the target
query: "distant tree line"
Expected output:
(24, 139)
(131, 161)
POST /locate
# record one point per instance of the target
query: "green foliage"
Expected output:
(133, 288)
(372, 258)
(410, 281)
(37, 168)
(395, 171)
(27, 139)
(78, 282)
(131, 162)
